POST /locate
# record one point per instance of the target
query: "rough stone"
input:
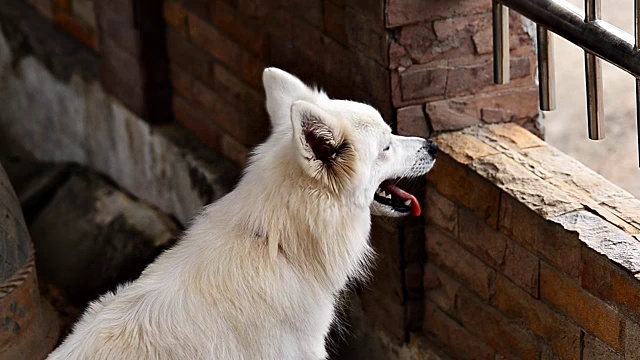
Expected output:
(596, 349)
(412, 122)
(91, 237)
(603, 237)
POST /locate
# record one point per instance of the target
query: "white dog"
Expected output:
(257, 274)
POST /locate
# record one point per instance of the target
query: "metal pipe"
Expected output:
(546, 69)
(501, 65)
(597, 37)
(593, 75)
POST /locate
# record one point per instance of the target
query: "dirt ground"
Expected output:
(615, 157)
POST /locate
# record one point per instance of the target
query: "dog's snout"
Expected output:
(431, 147)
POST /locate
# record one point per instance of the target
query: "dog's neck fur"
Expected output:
(329, 235)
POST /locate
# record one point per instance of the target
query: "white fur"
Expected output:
(257, 274)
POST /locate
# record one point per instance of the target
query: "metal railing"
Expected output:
(584, 28)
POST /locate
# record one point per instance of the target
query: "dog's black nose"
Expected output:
(432, 148)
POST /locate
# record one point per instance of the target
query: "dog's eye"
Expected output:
(387, 148)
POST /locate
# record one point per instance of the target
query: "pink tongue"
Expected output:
(415, 206)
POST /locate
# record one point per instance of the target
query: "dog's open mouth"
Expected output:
(399, 200)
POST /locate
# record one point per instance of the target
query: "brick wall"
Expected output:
(530, 254)
(441, 67)
(218, 50)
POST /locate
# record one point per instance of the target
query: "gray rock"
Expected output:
(91, 237)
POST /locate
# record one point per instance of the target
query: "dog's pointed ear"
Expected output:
(282, 90)
(315, 131)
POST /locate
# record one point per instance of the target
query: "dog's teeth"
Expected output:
(407, 202)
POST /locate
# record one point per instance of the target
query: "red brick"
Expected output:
(45, 7)
(398, 56)
(309, 10)
(233, 89)
(509, 105)
(120, 30)
(484, 242)
(198, 122)
(334, 22)
(440, 288)
(441, 211)
(79, 31)
(595, 349)
(243, 32)
(369, 42)
(200, 8)
(586, 310)
(632, 345)
(211, 40)
(563, 336)
(420, 82)
(560, 247)
(454, 181)
(251, 70)
(446, 252)
(603, 278)
(402, 12)
(189, 57)
(522, 267)
(412, 122)
(453, 337)
(495, 329)
(383, 300)
(372, 11)
(84, 10)
(466, 79)
(176, 17)
(62, 5)
(234, 150)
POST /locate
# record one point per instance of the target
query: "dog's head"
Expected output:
(345, 146)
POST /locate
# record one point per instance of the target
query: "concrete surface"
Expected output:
(615, 157)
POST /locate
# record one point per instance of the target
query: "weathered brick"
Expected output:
(370, 42)
(631, 343)
(62, 5)
(334, 22)
(453, 337)
(522, 267)
(446, 252)
(233, 89)
(441, 211)
(45, 7)
(372, 11)
(309, 10)
(563, 336)
(412, 11)
(119, 29)
(454, 180)
(417, 40)
(382, 301)
(197, 121)
(398, 56)
(211, 40)
(243, 32)
(200, 8)
(189, 57)
(484, 242)
(251, 70)
(176, 17)
(603, 278)
(466, 79)
(234, 150)
(423, 82)
(81, 32)
(586, 310)
(494, 328)
(595, 349)
(412, 122)
(510, 105)
(84, 10)
(560, 247)
(440, 288)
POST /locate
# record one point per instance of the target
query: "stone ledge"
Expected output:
(553, 185)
